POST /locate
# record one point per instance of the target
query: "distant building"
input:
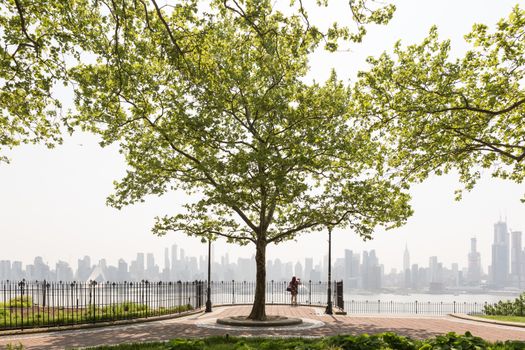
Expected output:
(500, 255)
(474, 271)
(5, 270)
(84, 268)
(63, 272)
(122, 271)
(371, 271)
(308, 266)
(516, 252)
(406, 268)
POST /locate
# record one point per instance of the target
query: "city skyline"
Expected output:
(361, 270)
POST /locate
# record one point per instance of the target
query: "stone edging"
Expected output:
(486, 320)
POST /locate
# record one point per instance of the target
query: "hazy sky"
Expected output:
(52, 202)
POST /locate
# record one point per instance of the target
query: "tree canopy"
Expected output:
(33, 44)
(213, 100)
(442, 113)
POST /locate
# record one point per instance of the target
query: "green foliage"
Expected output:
(38, 49)
(441, 113)
(376, 341)
(452, 341)
(384, 341)
(514, 307)
(504, 318)
(25, 301)
(34, 316)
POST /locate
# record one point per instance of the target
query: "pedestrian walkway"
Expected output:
(195, 326)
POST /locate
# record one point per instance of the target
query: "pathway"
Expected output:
(195, 326)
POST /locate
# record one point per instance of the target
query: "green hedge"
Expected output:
(514, 307)
(384, 341)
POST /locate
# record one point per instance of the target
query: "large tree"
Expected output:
(214, 101)
(442, 113)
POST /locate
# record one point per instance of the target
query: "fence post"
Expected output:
(21, 285)
(454, 306)
(44, 294)
(272, 291)
(233, 291)
(310, 292)
(379, 306)
(416, 306)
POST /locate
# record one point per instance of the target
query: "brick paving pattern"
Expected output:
(419, 327)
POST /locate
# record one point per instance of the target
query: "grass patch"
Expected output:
(384, 341)
(504, 318)
(23, 312)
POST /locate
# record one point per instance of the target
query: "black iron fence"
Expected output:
(45, 304)
(243, 292)
(415, 307)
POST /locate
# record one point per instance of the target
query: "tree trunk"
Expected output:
(259, 303)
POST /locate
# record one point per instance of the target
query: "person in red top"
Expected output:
(294, 289)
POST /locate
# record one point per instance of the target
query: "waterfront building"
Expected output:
(406, 267)
(500, 255)
(474, 271)
(516, 252)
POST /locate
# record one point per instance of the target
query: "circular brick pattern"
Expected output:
(305, 323)
(271, 321)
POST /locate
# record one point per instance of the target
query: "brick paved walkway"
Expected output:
(415, 327)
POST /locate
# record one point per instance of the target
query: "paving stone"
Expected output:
(414, 326)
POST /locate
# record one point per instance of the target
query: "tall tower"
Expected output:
(474, 264)
(515, 258)
(406, 268)
(174, 268)
(406, 259)
(500, 254)
(166, 259)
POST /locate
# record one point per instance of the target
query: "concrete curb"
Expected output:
(486, 320)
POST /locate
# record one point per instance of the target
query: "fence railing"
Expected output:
(415, 307)
(29, 304)
(45, 304)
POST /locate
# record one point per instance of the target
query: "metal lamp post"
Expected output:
(329, 310)
(208, 292)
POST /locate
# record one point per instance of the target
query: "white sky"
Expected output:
(52, 202)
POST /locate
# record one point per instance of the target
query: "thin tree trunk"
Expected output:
(259, 304)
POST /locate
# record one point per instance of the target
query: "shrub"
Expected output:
(25, 301)
(514, 307)
(454, 341)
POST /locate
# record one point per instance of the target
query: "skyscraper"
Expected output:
(406, 267)
(515, 258)
(174, 261)
(371, 271)
(84, 268)
(406, 259)
(308, 266)
(166, 258)
(500, 255)
(474, 264)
